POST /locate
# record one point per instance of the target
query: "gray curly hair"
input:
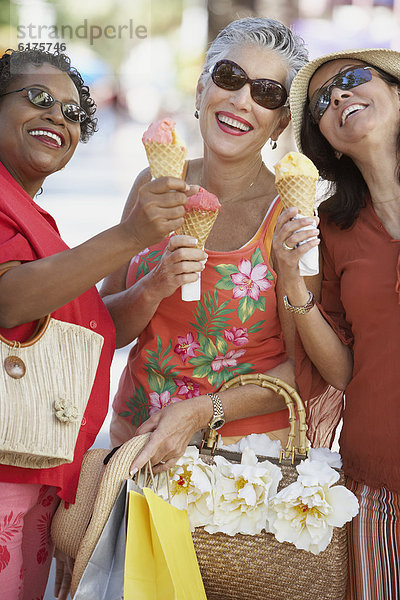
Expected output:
(259, 31)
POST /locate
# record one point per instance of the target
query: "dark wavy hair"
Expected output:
(347, 185)
(12, 65)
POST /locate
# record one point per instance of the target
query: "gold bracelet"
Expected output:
(300, 310)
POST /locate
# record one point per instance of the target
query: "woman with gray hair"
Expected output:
(187, 350)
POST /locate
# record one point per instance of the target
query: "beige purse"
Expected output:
(45, 384)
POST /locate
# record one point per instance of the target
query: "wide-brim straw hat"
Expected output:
(76, 529)
(387, 60)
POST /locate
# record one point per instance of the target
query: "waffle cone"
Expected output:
(198, 223)
(165, 159)
(298, 191)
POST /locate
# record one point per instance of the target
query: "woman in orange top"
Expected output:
(346, 115)
(186, 350)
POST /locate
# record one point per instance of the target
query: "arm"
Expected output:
(173, 427)
(133, 308)
(332, 358)
(48, 283)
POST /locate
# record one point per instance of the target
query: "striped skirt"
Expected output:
(374, 545)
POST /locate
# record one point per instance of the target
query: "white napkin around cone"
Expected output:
(309, 262)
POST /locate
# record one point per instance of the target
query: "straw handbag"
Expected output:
(45, 385)
(258, 567)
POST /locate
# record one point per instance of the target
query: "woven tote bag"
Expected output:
(45, 384)
(258, 567)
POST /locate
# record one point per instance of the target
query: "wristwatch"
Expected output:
(218, 418)
(300, 310)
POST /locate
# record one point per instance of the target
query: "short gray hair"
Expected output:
(266, 33)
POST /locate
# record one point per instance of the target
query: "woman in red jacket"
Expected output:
(45, 110)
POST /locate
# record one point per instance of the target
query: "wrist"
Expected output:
(202, 409)
(297, 294)
(151, 291)
(299, 309)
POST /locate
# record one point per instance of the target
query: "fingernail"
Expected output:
(187, 188)
(133, 471)
(194, 240)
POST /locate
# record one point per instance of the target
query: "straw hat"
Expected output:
(76, 530)
(387, 60)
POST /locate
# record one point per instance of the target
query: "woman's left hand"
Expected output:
(64, 567)
(171, 430)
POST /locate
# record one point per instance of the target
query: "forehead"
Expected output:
(57, 82)
(328, 70)
(259, 63)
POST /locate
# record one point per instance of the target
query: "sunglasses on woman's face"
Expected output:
(346, 80)
(268, 93)
(42, 99)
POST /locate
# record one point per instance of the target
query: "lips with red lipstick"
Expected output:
(49, 137)
(232, 124)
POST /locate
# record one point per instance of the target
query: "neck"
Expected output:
(30, 186)
(228, 179)
(381, 177)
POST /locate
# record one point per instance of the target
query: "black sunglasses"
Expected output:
(266, 92)
(42, 99)
(348, 79)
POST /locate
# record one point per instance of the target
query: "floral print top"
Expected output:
(191, 348)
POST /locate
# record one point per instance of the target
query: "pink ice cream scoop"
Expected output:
(165, 151)
(202, 201)
(160, 132)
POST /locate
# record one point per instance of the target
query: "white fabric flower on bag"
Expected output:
(241, 494)
(325, 454)
(191, 488)
(305, 512)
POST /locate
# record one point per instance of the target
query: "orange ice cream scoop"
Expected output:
(201, 210)
(165, 151)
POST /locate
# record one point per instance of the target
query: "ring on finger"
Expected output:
(285, 245)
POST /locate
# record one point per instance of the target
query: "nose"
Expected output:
(337, 95)
(55, 114)
(242, 98)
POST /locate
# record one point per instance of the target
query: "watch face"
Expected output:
(217, 424)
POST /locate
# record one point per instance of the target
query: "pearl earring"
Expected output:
(338, 154)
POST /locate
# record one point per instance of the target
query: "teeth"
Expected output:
(233, 123)
(41, 132)
(350, 109)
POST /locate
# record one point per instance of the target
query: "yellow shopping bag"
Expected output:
(160, 560)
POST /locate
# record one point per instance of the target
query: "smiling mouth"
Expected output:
(350, 110)
(233, 123)
(47, 134)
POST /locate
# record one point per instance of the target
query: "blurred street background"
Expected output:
(141, 59)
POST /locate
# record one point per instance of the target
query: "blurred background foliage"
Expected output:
(152, 71)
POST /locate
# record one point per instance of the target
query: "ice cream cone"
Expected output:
(165, 159)
(198, 224)
(201, 211)
(295, 179)
(165, 150)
